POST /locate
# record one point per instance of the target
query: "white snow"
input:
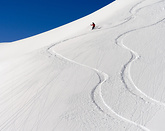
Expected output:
(74, 78)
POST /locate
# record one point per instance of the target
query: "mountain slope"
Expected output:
(72, 78)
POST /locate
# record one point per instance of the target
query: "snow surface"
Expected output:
(74, 78)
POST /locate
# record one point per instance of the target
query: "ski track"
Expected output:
(103, 77)
(99, 85)
(134, 56)
(133, 15)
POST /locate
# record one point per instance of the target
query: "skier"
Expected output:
(93, 25)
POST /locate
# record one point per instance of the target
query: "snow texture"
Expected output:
(74, 78)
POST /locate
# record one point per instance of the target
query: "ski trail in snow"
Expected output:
(134, 56)
(104, 77)
(97, 92)
(133, 15)
(130, 17)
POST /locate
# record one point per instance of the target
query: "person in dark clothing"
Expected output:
(93, 25)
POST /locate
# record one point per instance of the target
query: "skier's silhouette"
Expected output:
(93, 25)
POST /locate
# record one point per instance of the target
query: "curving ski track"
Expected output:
(134, 56)
(103, 77)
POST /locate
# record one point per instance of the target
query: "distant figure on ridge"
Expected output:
(93, 25)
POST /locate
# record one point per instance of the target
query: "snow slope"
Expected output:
(72, 78)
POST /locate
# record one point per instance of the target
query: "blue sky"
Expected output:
(24, 18)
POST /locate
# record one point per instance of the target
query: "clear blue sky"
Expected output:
(24, 18)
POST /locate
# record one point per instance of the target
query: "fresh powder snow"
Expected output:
(73, 78)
